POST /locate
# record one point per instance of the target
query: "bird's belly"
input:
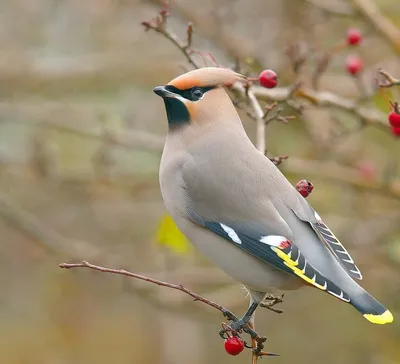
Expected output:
(238, 264)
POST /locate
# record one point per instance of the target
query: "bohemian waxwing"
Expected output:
(238, 209)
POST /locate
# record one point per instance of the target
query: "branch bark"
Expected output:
(371, 12)
(158, 282)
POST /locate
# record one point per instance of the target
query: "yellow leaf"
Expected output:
(169, 235)
(381, 102)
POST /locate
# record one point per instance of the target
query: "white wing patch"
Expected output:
(272, 240)
(231, 233)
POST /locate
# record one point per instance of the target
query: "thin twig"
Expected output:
(259, 339)
(189, 32)
(278, 159)
(390, 81)
(159, 25)
(260, 124)
(124, 272)
(371, 12)
(347, 175)
(270, 301)
(339, 9)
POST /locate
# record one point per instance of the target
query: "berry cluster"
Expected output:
(269, 79)
(394, 120)
(354, 64)
(354, 36)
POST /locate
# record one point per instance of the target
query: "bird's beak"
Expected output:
(161, 91)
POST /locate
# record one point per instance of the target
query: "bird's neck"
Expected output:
(186, 137)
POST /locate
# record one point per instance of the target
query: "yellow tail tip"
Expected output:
(384, 318)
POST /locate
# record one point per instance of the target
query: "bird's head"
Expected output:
(198, 96)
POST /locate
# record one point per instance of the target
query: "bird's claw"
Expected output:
(237, 327)
(230, 316)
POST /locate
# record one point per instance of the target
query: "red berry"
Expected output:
(394, 119)
(268, 79)
(395, 130)
(354, 65)
(234, 345)
(354, 36)
(304, 187)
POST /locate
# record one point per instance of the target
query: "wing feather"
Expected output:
(278, 252)
(331, 241)
(337, 249)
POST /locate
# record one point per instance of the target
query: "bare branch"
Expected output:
(46, 237)
(347, 175)
(279, 159)
(390, 81)
(228, 314)
(158, 282)
(277, 115)
(159, 26)
(189, 31)
(260, 124)
(131, 139)
(340, 8)
(371, 12)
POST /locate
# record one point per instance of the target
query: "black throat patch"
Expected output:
(177, 113)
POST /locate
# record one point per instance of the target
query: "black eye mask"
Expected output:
(193, 94)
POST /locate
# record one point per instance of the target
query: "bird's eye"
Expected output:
(197, 94)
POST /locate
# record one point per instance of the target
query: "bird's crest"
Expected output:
(207, 77)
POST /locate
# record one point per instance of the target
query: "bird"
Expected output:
(239, 210)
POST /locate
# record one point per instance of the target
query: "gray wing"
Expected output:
(305, 212)
(241, 214)
(331, 241)
(259, 195)
(276, 251)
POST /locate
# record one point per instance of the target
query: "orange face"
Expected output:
(198, 95)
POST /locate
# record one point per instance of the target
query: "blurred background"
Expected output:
(81, 135)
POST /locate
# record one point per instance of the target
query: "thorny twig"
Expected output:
(189, 32)
(389, 81)
(260, 124)
(319, 98)
(339, 9)
(159, 25)
(277, 115)
(278, 159)
(270, 301)
(370, 11)
(228, 314)
(126, 273)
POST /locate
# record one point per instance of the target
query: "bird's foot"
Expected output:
(270, 301)
(230, 316)
(237, 326)
(244, 325)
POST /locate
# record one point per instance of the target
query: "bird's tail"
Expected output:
(371, 309)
